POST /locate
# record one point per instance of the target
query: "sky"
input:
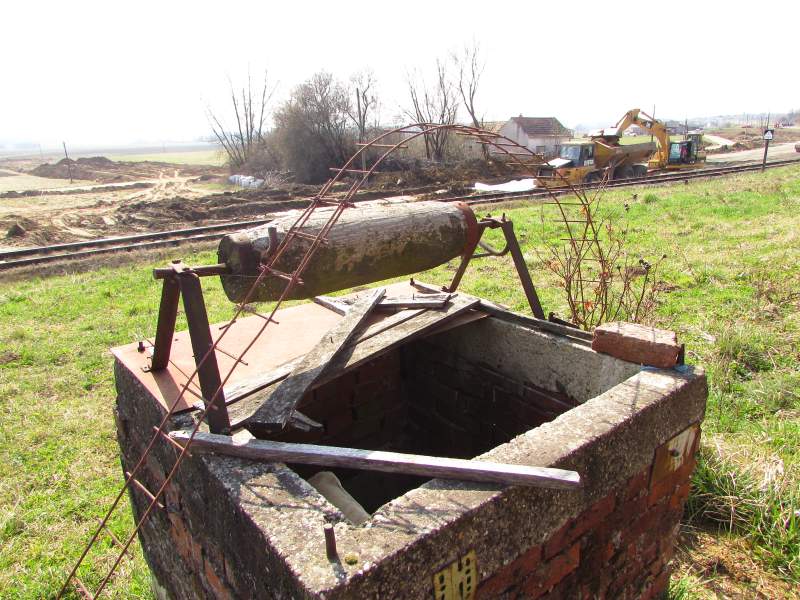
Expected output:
(134, 72)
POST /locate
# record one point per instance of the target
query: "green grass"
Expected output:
(732, 268)
(214, 158)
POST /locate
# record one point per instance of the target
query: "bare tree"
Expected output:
(250, 113)
(311, 128)
(434, 104)
(470, 69)
(366, 102)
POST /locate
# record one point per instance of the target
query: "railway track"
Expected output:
(25, 257)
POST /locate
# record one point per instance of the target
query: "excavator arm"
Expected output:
(656, 128)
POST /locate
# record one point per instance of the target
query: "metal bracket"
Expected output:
(180, 280)
(512, 247)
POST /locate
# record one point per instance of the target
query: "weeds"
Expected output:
(766, 512)
(600, 276)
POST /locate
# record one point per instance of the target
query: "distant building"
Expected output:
(540, 134)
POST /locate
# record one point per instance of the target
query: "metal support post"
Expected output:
(205, 357)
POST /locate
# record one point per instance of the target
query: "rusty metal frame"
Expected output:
(512, 246)
(185, 282)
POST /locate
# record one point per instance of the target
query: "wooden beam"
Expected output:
(276, 410)
(340, 305)
(387, 462)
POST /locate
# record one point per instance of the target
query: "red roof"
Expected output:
(538, 126)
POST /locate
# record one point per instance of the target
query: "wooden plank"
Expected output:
(387, 462)
(408, 325)
(277, 408)
(340, 305)
(378, 339)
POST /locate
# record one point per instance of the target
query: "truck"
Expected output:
(603, 156)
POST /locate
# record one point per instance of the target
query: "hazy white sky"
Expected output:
(118, 72)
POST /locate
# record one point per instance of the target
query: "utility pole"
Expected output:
(69, 165)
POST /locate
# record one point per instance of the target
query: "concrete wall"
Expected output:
(241, 529)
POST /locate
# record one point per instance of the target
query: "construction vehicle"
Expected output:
(603, 156)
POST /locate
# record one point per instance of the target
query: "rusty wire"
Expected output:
(322, 198)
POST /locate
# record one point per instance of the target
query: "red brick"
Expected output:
(386, 366)
(648, 521)
(510, 575)
(553, 571)
(572, 530)
(638, 484)
(637, 343)
(679, 497)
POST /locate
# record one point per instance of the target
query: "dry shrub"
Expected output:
(601, 278)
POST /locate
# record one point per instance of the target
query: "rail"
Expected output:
(25, 257)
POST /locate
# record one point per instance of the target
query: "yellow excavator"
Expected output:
(588, 162)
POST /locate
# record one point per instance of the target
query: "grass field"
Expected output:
(731, 292)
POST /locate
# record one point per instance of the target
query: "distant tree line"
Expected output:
(323, 119)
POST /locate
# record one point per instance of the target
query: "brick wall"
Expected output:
(465, 408)
(620, 547)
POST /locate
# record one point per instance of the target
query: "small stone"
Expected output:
(351, 558)
(16, 230)
(637, 343)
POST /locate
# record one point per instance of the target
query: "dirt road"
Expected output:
(718, 141)
(776, 151)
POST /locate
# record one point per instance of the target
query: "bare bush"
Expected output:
(244, 137)
(311, 129)
(602, 280)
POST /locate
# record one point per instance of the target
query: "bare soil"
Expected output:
(103, 170)
(723, 567)
(160, 196)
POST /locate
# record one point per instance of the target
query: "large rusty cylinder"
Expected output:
(370, 242)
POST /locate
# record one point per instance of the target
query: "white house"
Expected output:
(540, 134)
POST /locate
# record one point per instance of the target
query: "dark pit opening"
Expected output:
(420, 398)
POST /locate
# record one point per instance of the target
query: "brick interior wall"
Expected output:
(424, 399)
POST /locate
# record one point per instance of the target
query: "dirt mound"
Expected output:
(104, 170)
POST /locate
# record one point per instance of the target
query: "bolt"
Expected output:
(140, 347)
(330, 542)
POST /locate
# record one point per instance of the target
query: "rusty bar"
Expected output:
(308, 236)
(330, 542)
(201, 271)
(282, 275)
(165, 330)
(172, 442)
(367, 144)
(141, 487)
(342, 170)
(203, 348)
(522, 269)
(82, 589)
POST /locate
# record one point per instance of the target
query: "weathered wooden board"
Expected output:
(388, 462)
(276, 410)
(340, 305)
